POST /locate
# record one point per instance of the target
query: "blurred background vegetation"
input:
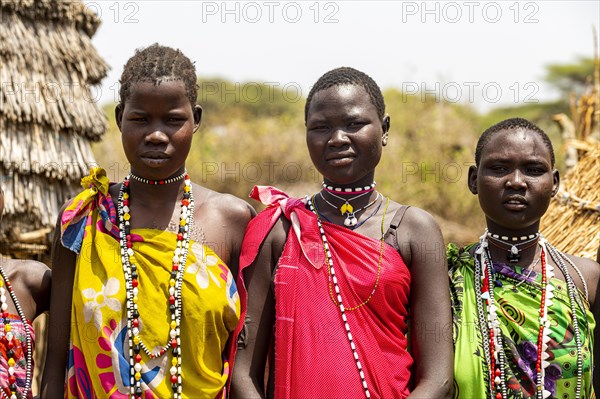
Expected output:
(253, 134)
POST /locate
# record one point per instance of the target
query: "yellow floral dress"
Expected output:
(98, 365)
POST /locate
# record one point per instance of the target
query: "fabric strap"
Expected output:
(390, 235)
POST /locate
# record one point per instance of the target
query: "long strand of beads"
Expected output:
(544, 330)
(496, 360)
(558, 256)
(338, 292)
(136, 344)
(10, 392)
(480, 296)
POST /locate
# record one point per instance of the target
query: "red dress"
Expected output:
(313, 357)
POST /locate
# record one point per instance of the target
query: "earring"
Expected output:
(384, 139)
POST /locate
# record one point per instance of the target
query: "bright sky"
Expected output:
(482, 53)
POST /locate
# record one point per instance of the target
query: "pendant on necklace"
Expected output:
(513, 255)
(348, 210)
(351, 220)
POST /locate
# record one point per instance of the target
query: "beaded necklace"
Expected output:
(359, 223)
(10, 341)
(158, 182)
(348, 190)
(489, 323)
(347, 208)
(351, 220)
(333, 278)
(514, 250)
(136, 343)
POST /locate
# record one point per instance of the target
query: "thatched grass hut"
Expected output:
(572, 222)
(49, 114)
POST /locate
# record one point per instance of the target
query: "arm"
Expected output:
(431, 318)
(38, 279)
(63, 261)
(248, 380)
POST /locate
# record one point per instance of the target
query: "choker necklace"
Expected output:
(347, 208)
(507, 238)
(158, 182)
(348, 190)
(514, 252)
(333, 278)
(490, 325)
(132, 286)
(10, 341)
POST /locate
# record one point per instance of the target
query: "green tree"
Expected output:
(571, 78)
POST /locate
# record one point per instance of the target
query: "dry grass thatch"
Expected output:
(49, 112)
(573, 219)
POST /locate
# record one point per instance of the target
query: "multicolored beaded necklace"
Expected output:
(10, 341)
(132, 285)
(333, 278)
(490, 325)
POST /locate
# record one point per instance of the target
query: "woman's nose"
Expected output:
(338, 138)
(157, 136)
(516, 180)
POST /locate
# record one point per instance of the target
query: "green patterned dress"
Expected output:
(518, 300)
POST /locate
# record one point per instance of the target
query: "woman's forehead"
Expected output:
(339, 96)
(516, 142)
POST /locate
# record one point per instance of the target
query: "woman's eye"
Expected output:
(536, 171)
(499, 169)
(356, 125)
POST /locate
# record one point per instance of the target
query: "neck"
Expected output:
(360, 184)
(151, 195)
(513, 250)
(522, 234)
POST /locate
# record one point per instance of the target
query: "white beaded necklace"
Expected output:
(136, 344)
(9, 337)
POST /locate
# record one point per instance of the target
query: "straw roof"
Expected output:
(572, 222)
(49, 114)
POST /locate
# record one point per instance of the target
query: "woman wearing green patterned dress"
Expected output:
(523, 312)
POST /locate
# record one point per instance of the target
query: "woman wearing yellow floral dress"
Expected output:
(143, 298)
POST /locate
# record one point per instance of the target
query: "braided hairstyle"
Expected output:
(510, 124)
(348, 76)
(158, 64)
